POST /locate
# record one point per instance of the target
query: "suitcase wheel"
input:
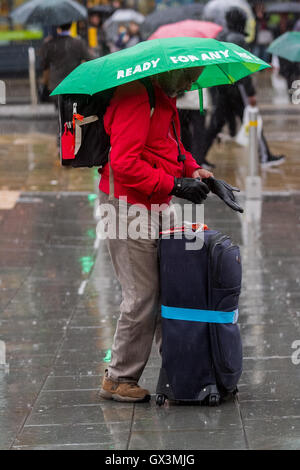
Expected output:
(160, 399)
(214, 399)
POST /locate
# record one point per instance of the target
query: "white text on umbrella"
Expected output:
(138, 68)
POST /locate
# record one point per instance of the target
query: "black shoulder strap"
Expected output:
(181, 157)
(150, 90)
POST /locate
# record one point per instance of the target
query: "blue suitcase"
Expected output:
(201, 342)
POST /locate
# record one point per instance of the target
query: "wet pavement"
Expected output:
(59, 303)
(59, 307)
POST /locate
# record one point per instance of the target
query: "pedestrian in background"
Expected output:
(230, 101)
(264, 35)
(128, 35)
(290, 70)
(192, 124)
(60, 55)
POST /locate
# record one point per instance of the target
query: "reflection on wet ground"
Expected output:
(59, 303)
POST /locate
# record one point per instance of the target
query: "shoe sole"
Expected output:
(114, 396)
(269, 164)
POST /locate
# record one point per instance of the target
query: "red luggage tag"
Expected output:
(194, 227)
(67, 144)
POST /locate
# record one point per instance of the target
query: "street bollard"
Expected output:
(32, 76)
(2, 92)
(253, 180)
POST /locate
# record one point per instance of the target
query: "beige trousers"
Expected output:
(135, 262)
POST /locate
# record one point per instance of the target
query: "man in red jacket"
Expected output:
(144, 168)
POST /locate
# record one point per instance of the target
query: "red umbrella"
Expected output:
(191, 28)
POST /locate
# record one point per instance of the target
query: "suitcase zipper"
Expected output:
(220, 260)
(219, 240)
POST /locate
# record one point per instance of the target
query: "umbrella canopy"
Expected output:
(285, 7)
(170, 15)
(188, 28)
(49, 12)
(125, 16)
(224, 63)
(287, 46)
(121, 16)
(105, 10)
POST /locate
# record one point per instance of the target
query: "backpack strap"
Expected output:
(151, 94)
(78, 133)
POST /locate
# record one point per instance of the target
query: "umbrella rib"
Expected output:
(227, 76)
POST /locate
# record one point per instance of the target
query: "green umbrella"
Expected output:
(287, 46)
(224, 63)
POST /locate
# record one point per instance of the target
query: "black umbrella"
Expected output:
(49, 12)
(170, 15)
(287, 7)
(103, 10)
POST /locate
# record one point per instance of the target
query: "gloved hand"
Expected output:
(192, 189)
(224, 191)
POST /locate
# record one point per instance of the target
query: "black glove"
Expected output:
(224, 191)
(191, 189)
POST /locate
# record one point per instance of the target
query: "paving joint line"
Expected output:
(131, 426)
(242, 423)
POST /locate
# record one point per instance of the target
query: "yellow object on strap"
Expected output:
(253, 123)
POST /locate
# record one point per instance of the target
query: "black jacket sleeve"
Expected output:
(239, 39)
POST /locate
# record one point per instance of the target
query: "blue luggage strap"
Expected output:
(194, 314)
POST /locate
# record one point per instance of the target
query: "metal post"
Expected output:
(253, 142)
(3, 364)
(253, 181)
(2, 92)
(32, 76)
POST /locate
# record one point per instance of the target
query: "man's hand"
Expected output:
(224, 191)
(201, 173)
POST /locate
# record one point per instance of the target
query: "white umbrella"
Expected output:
(121, 16)
(215, 11)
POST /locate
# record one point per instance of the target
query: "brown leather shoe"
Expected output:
(128, 392)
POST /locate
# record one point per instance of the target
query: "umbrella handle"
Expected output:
(200, 92)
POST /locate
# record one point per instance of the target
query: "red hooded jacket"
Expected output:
(143, 148)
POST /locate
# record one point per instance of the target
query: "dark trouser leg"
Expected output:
(185, 125)
(216, 124)
(198, 133)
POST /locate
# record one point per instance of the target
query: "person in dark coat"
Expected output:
(230, 101)
(60, 55)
